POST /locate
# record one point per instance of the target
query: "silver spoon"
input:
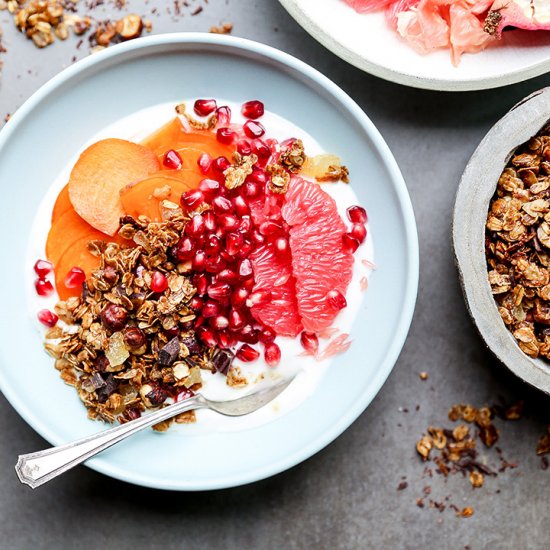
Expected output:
(35, 469)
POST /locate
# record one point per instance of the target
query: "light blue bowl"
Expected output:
(54, 124)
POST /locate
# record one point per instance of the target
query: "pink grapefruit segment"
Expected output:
(300, 281)
(274, 273)
(319, 263)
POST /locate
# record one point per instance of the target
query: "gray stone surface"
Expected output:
(345, 496)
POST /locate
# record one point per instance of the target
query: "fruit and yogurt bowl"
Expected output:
(224, 250)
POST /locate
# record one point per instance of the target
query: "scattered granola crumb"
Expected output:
(424, 446)
(235, 378)
(224, 28)
(423, 375)
(467, 512)
(476, 479)
(543, 446)
(188, 417)
(403, 485)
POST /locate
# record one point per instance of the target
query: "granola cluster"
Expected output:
(125, 347)
(455, 450)
(43, 21)
(518, 245)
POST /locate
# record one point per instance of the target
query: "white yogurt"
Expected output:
(135, 128)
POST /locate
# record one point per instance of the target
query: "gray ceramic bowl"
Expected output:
(475, 191)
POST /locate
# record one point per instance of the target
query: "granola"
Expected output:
(518, 245)
(133, 349)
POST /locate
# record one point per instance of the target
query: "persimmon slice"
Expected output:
(100, 173)
(144, 197)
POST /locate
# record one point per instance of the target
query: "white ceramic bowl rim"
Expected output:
(228, 479)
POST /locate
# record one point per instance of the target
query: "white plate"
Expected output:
(80, 102)
(364, 40)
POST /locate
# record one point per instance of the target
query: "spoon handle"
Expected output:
(35, 469)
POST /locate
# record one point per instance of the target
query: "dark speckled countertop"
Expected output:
(346, 496)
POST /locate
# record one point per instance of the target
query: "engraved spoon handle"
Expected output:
(34, 469)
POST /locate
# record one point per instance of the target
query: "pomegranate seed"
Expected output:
(247, 353)
(223, 114)
(272, 354)
(240, 206)
(199, 321)
(200, 282)
(281, 246)
(248, 284)
(225, 257)
(259, 298)
(249, 334)
(209, 221)
(42, 268)
(349, 243)
(213, 245)
(336, 299)
(220, 322)
(203, 107)
(226, 136)
(245, 268)
(261, 149)
(215, 264)
(185, 249)
(258, 176)
(236, 319)
(245, 225)
(75, 278)
(257, 237)
(172, 160)
(192, 199)
(47, 318)
(267, 335)
(174, 331)
(43, 287)
(224, 340)
(159, 282)
(204, 162)
(359, 232)
(269, 228)
(207, 336)
(309, 342)
(250, 189)
(227, 276)
(195, 226)
(221, 164)
(246, 249)
(252, 109)
(243, 147)
(253, 129)
(209, 187)
(199, 260)
(196, 303)
(222, 205)
(233, 243)
(228, 222)
(211, 309)
(184, 394)
(239, 296)
(219, 291)
(357, 214)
